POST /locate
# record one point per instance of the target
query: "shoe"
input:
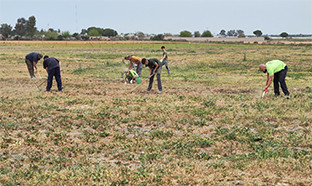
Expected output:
(159, 92)
(287, 97)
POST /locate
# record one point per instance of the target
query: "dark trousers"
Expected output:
(30, 67)
(57, 73)
(279, 77)
(151, 80)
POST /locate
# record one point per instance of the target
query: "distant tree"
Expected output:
(196, 34)
(60, 37)
(30, 25)
(51, 35)
(93, 32)
(83, 32)
(20, 28)
(109, 32)
(167, 34)
(207, 33)
(140, 35)
(231, 33)
(258, 33)
(284, 34)
(66, 35)
(85, 37)
(240, 33)
(6, 30)
(185, 33)
(158, 37)
(76, 35)
(51, 30)
(222, 33)
(267, 38)
(58, 31)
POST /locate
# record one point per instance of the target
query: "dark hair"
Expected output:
(127, 57)
(45, 57)
(143, 60)
(162, 47)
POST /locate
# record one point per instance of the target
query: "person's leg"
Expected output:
(30, 67)
(50, 78)
(282, 76)
(139, 69)
(276, 86)
(58, 78)
(158, 79)
(150, 85)
(167, 66)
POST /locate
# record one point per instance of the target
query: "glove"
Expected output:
(161, 60)
(265, 90)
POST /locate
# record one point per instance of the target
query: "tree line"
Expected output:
(26, 29)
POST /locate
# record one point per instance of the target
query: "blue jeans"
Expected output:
(57, 73)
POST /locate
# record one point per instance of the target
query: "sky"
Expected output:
(164, 16)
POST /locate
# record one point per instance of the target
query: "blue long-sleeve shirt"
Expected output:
(51, 63)
(33, 56)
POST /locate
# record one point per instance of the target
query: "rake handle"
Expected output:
(141, 83)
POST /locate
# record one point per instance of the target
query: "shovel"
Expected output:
(263, 94)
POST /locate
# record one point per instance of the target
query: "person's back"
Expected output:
(135, 59)
(274, 66)
(51, 63)
(32, 56)
(31, 61)
(152, 62)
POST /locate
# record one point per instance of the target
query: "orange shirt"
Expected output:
(135, 59)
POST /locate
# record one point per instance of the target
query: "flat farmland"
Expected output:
(209, 126)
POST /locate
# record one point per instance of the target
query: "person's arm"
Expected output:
(130, 64)
(156, 66)
(150, 74)
(269, 81)
(46, 69)
(35, 65)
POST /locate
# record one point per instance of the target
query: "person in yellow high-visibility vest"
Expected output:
(131, 76)
(275, 69)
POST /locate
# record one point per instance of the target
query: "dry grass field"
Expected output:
(209, 126)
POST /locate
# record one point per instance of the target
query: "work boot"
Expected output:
(159, 92)
(287, 97)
